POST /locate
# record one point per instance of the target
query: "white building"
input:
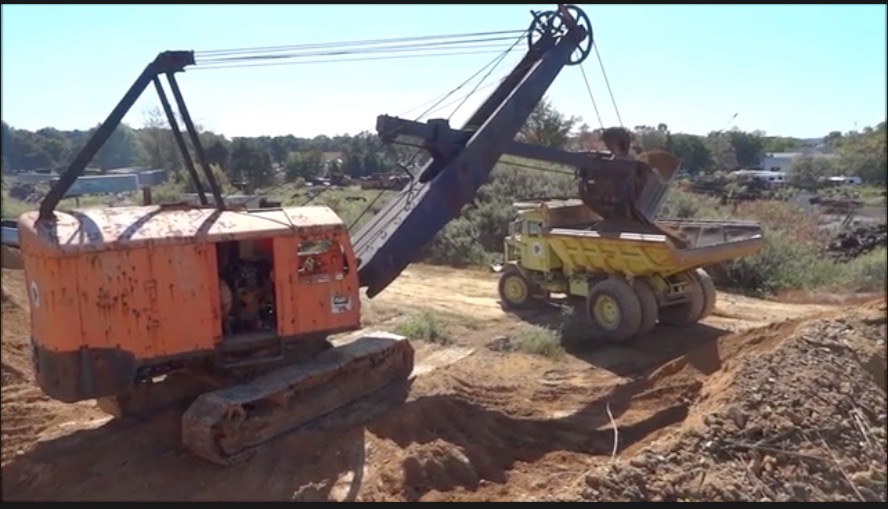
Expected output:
(782, 161)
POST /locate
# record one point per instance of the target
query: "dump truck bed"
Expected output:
(646, 253)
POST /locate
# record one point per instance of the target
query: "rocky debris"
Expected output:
(851, 244)
(803, 422)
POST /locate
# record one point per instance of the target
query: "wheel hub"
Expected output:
(515, 289)
(607, 312)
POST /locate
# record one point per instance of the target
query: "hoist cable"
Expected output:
(497, 61)
(333, 60)
(363, 43)
(591, 95)
(607, 82)
(494, 63)
(470, 43)
(314, 196)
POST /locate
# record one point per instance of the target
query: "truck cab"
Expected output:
(527, 244)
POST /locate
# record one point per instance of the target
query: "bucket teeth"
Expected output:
(227, 425)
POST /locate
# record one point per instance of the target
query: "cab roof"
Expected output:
(108, 228)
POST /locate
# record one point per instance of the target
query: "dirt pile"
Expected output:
(804, 421)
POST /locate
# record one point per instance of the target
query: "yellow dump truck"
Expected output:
(632, 274)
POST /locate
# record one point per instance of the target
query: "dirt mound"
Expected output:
(802, 419)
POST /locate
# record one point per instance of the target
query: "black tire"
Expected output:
(510, 281)
(650, 308)
(614, 297)
(688, 312)
(709, 294)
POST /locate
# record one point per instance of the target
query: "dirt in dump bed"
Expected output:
(742, 409)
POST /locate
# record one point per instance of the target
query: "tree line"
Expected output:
(260, 161)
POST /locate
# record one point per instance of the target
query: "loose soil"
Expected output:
(762, 401)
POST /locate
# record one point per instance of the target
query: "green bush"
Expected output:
(425, 326)
(784, 263)
(472, 238)
(12, 208)
(867, 273)
(681, 204)
(539, 341)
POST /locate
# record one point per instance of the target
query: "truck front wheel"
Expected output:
(515, 290)
(614, 310)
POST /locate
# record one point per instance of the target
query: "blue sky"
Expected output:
(800, 70)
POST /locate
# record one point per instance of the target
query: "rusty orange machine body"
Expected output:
(123, 294)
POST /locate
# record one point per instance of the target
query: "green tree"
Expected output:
(806, 171)
(158, 144)
(652, 138)
(771, 144)
(123, 148)
(692, 151)
(306, 164)
(865, 154)
(723, 157)
(748, 147)
(56, 145)
(547, 126)
(218, 154)
(250, 164)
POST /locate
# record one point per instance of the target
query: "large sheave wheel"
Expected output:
(614, 310)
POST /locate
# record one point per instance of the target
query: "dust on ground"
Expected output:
(730, 409)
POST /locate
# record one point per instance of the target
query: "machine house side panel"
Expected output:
(321, 292)
(116, 299)
(54, 302)
(183, 308)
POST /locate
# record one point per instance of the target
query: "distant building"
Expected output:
(782, 161)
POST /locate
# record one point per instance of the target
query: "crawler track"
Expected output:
(227, 425)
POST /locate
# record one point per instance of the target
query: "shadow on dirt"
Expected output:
(484, 445)
(130, 461)
(326, 460)
(635, 357)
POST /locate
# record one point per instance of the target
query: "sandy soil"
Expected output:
(700, 413)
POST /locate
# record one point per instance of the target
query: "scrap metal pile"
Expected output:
(851, 244)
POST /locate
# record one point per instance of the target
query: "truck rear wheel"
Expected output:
(650, 308)
(687, 312)
(709, 293)
(515, 290)
(614, 310)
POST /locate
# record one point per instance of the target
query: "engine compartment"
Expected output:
(246, 287)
